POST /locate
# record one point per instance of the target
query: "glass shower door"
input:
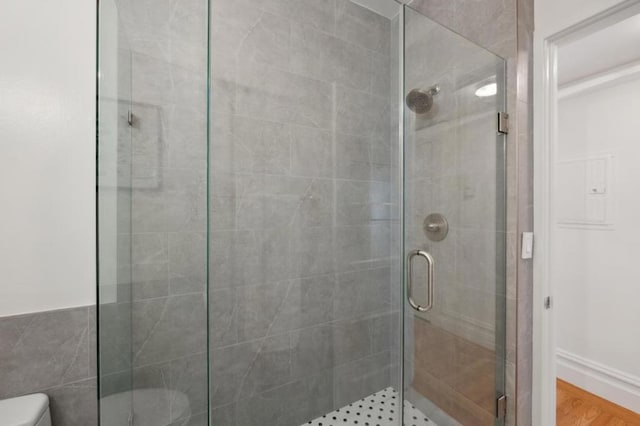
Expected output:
(152, 213)
(453, 227)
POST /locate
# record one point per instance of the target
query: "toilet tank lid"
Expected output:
(23, 410)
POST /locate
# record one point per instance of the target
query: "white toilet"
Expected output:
(28, 410)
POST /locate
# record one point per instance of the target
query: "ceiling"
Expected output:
(611, 47)
(387, 8)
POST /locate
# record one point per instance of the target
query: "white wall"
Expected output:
(594, 268)
(552, 16)
(47, 155)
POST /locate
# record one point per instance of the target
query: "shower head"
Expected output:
(420, 101)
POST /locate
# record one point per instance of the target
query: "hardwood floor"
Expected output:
(577, 407)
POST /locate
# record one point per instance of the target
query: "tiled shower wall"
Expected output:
(301, 310)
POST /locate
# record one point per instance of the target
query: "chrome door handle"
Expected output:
(429, 260)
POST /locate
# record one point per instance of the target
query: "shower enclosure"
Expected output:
(300, 216)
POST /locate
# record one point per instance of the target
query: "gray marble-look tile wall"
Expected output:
(52, 352)
(505, 27)
(301, 196)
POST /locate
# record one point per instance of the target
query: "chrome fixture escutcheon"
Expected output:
(436, 227)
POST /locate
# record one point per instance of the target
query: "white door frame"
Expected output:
(545, 141)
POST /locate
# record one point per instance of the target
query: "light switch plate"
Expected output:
(527, 245)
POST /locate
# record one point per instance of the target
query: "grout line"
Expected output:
(364, 317)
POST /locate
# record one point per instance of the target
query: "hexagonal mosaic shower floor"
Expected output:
(379, 409)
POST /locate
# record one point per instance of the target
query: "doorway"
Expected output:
(587, 205)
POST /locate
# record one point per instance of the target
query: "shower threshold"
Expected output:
(379, 409)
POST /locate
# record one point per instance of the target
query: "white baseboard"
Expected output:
(606, 382)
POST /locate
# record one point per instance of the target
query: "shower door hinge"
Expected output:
(130, 117)
(503, 123)
(501, 407)
(547, 302)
